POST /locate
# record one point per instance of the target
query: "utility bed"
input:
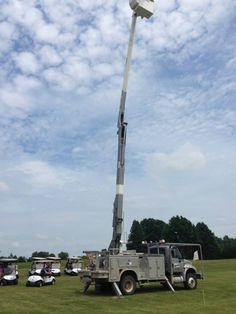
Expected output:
(114, 268)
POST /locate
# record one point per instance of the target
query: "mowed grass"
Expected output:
(215, 295)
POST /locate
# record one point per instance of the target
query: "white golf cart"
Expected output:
(73, 266)
(8, 271)
(56, 266)
(44, 277)
(38, 263)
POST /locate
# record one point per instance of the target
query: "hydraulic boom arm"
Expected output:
(142, 8)
(122, 126)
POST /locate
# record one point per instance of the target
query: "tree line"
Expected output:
(180, 229)
(62, 255)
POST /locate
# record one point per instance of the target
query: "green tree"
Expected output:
(22, 259)
(63, 255)
(135, 237)
(227, 247)
(42, 254)
(12, 256)
(208, 241)
(152, 229)
(180, 229)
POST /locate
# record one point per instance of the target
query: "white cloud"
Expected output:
(13, 99)
(49, 56)
(7, 34)
(27, 62)
(59, 79)
(42, 174)
(4, 187)
(22, 12)
(186, 158)
(76, 150)
(18, 95)
(48, 33)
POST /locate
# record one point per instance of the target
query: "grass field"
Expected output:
(215, 295)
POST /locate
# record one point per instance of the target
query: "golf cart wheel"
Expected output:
(16, 282)
(128, 285)
(40, 284)
(53, 282)
(191, 281)
(2, 283)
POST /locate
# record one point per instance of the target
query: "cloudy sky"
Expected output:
(60, 82)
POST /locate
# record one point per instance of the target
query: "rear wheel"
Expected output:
(191, 281)
(128, 285)
(53, 282)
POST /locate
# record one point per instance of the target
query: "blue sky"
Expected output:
(60, 83)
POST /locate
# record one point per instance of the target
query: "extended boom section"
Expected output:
(114, 246)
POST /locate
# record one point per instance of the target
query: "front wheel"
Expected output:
(128, 285)
(40, 284)
(191, 281)
(3, 282)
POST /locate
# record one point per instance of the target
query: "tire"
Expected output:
(40, 284)
(16, 282)
(3, 282)
(53, 282)
(128, 285)
(191, 281)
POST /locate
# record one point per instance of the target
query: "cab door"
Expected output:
(177, 260)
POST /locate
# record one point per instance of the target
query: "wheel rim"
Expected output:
(191, 282)
(128, 286)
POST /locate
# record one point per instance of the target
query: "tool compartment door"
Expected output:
(156, 266)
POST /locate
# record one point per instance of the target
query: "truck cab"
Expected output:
(178, 269)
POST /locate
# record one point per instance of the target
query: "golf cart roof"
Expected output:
(74, 258)
(43, 259)
(8, 260)
(53, 258)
